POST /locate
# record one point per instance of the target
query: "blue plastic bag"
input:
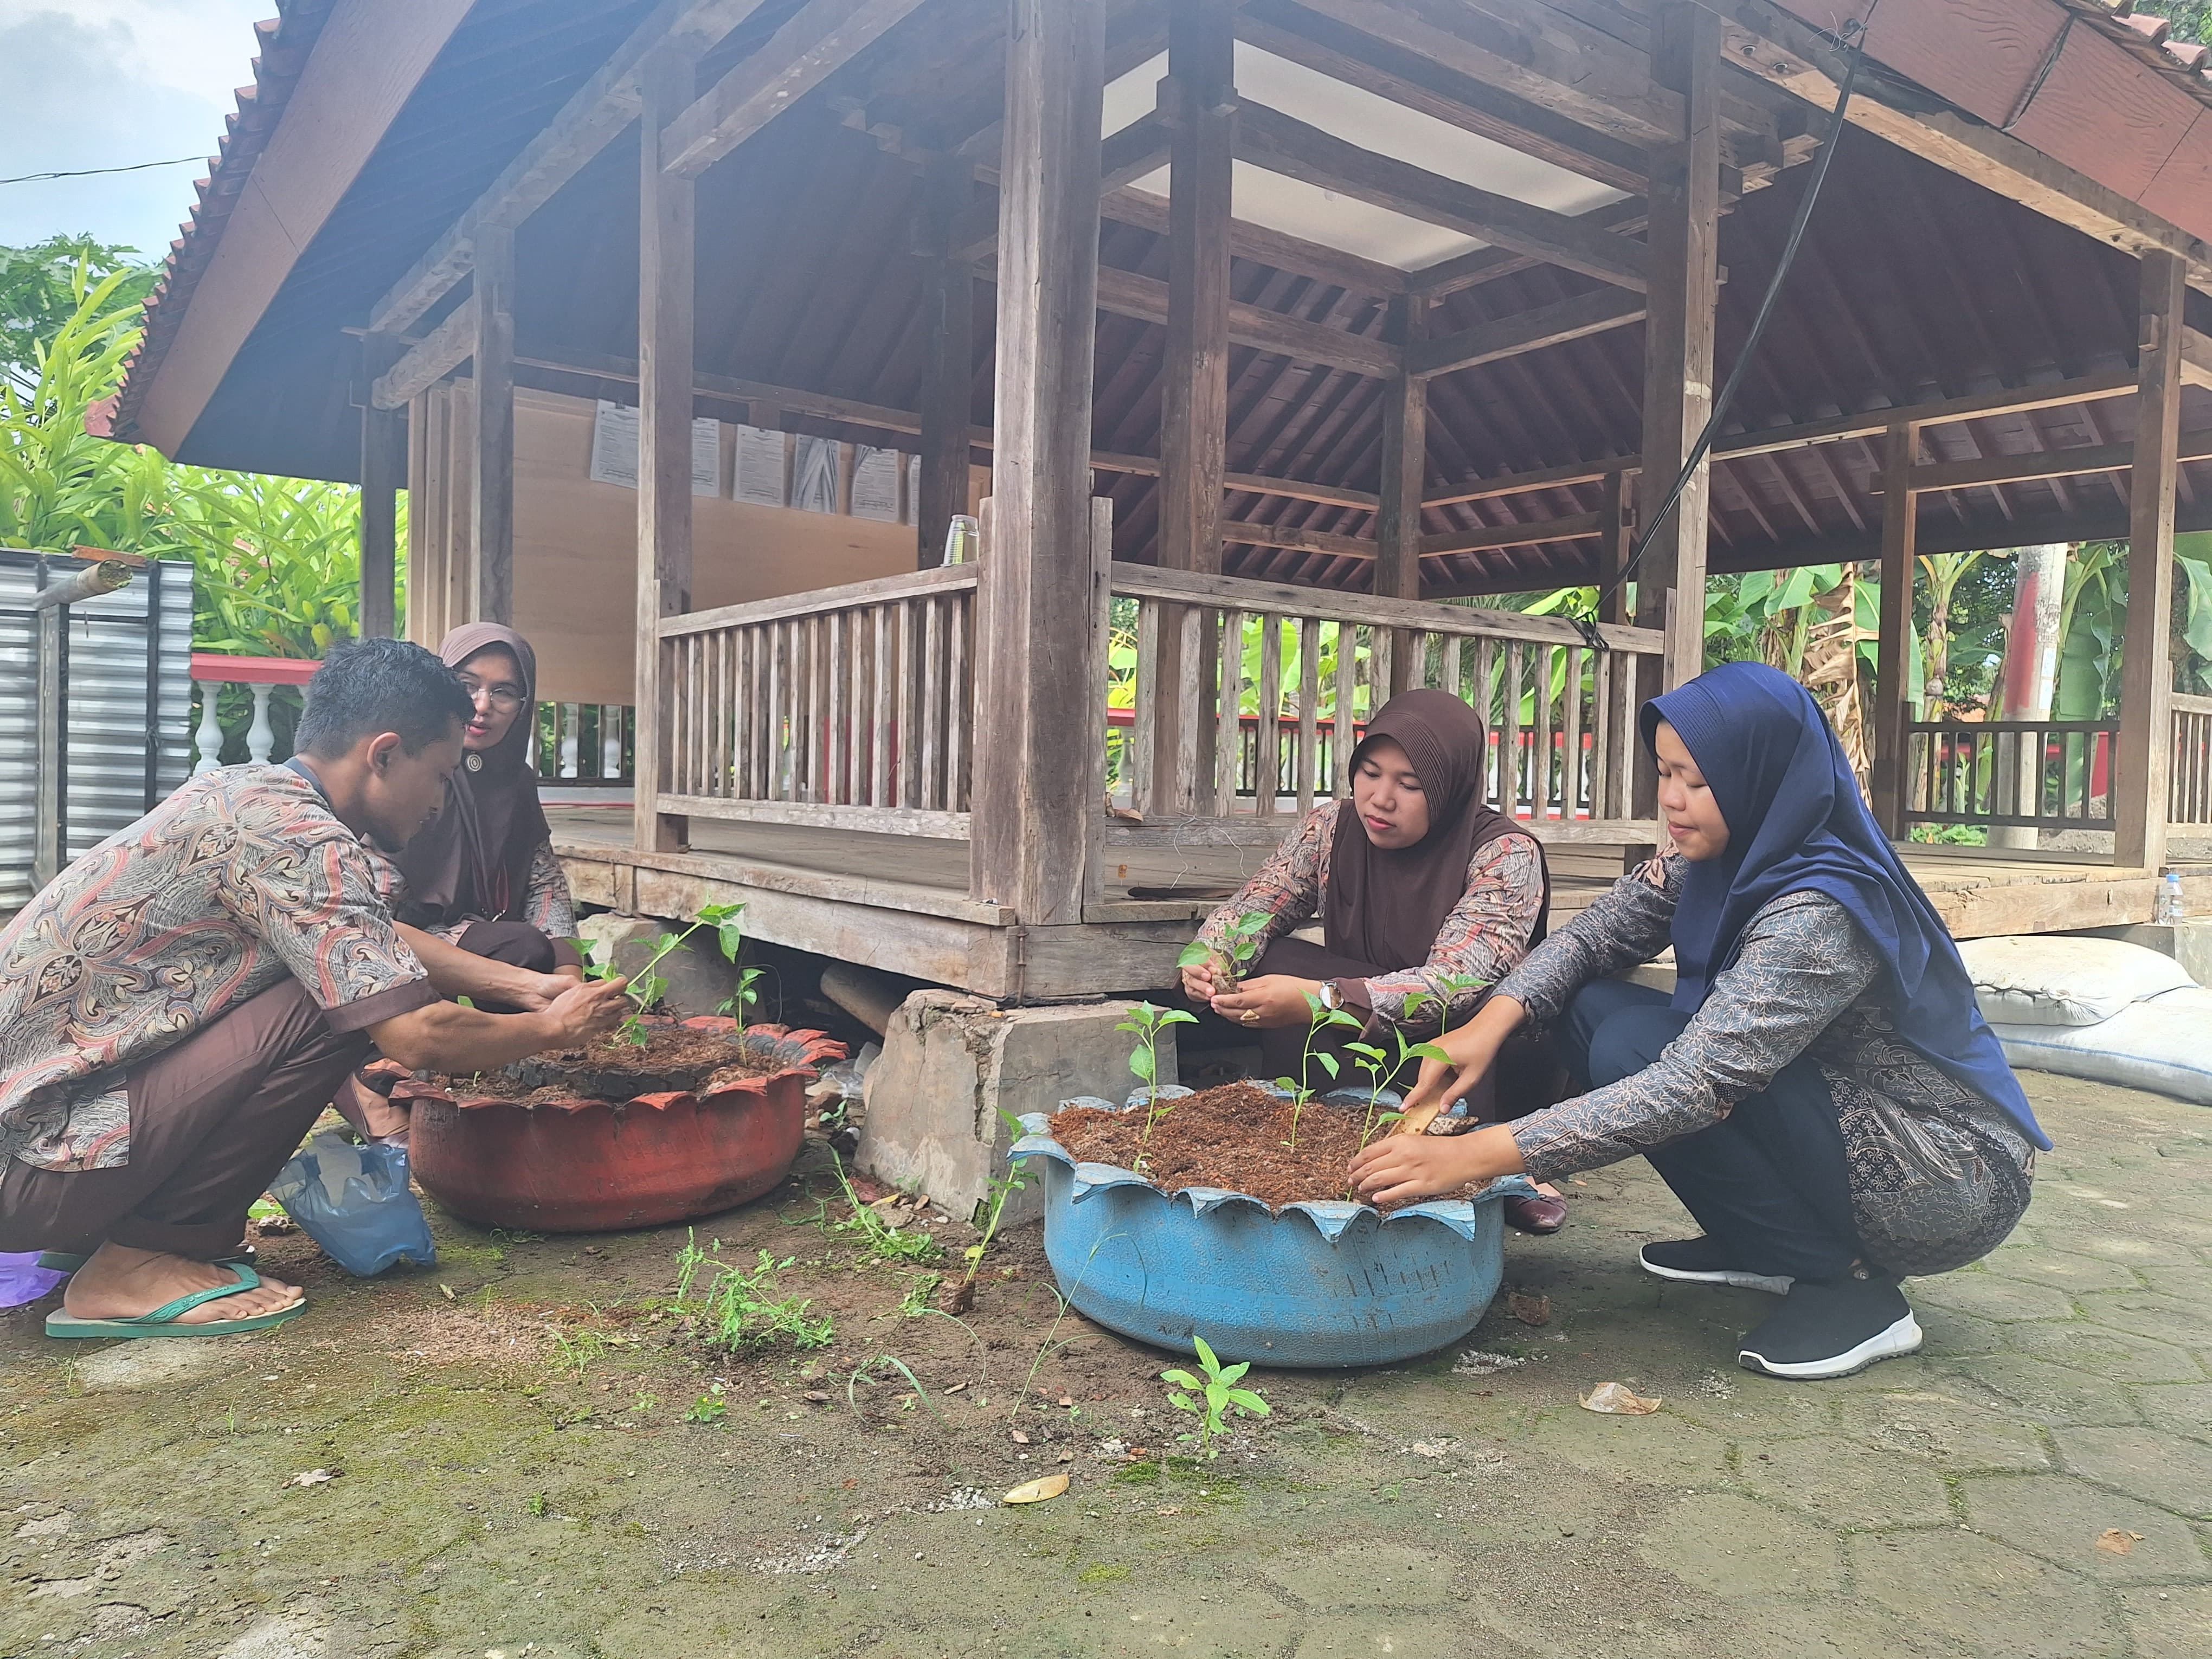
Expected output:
(22, 1279)
(355, 1203)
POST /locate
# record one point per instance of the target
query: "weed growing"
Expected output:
(709, 1407)
(991, 1210)
(737, 1309)
(916, 1303)
(877, 1238)
(1212, 1397)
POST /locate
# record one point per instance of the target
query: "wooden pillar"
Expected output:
(2145, 744)
(1404, 481)
(383, 474)
(1040, 782)
(1616, 520)
(1678, 332)
(492, 526)
(1196, 99)
(1893, 676)
(665, 299)
(948, 386)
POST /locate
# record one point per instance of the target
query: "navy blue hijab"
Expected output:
(1797, 824)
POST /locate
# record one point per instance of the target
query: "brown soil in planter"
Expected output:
(1235, 1137)
(675, 1058)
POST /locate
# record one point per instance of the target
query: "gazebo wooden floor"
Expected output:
(902, 903)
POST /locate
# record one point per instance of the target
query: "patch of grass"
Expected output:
(878, 1240)
(916, 1303)
(537, 1504)
(1103, 1573)
(578, 1349)
(1138, 1475)
(737, 1309)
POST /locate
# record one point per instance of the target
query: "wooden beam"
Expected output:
(2146, 739)
(1292, 537)
(1543, 56)
(1196, 100)
(1893, 670)
(1678, 336)
(1143, 147)
(1596, 312)
(1282, 143)
(1041, 596)
(1421, 82)
(948, 387)
(819, 39)
(2196, 359)
(383, 474)
(1405, 466)
(1616, 530)
(667, 296)
(1991, 470)
(1265, 246)
(492, 523)
(1569, 527)
(1487, 264)
(1127, 294)
(592, 119)
(427, 361)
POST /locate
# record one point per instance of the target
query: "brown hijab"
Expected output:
(472, 862)
(1384, 906)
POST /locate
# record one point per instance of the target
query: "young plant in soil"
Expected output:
(997, 1190)
(1212, 1397)
(736, 1308)
(1147, 1023)
(1243, 950)
(1318, 1018)
(647, 987)
(1381, 1067)
(877, 1238)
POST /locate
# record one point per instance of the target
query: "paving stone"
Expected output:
(1842, 1483)
(1951, 1333)
(1992, 1296)
(2181, 1407)
(1986, 1596)
(2169, 1624)
(1731, 1547)
(2129, 1249)
(1247, 1623)
(1951, 1429)
(1664, 1449)
(1758, 1406)
(1418, 1635)
(2186, 1323)
(2052, 1392)
(2060, 1519)
(2157, 1468)
(1362, 1576)
(1833, 1627)
(2114, 1354)
(2066, 1269)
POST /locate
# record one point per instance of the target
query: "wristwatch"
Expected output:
(1330, 998)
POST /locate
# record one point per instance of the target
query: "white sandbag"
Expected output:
(2049, 980)
(2159, 1044)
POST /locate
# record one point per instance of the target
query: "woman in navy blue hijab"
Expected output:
(1819, 1089)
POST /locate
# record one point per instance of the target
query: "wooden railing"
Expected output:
(2048, 775)
(1562, 716)
(848, 706)
(2189, 789)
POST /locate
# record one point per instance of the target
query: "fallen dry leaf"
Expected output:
(1039, 1490)
(956, 1387)
(816, 1396)
(2113, 1541)
(316, 1477)
(1619, 1399)
(1067, 1457)
(1529, 1309)
(1067, 1400)
(1020, 1439)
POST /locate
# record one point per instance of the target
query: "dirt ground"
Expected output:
(502, 1457)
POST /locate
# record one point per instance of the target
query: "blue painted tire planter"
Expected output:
(1322, 1285)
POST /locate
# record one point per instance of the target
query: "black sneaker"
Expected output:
(1832, 1328)
(1703, 1262)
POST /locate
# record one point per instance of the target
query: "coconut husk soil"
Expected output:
(1236, 1137)
(674, 1058)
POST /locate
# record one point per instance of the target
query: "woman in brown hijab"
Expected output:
(1427, 896)
(480, 880)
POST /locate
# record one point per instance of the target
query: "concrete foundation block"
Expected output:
(951, 1063)
(2189, 942)
(699, 980)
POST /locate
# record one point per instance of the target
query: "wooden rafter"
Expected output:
(430, 359)
(1553, 324)
(1127, 294)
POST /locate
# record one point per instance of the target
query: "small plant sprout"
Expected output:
(736, 1308)
(1381, 1065)
(1147, 1023)
(1318, 1018)
(708, 1407)
(989, 1213)
(647, 987)
(1212, 1397)
(875, 1237)
(1228, 965)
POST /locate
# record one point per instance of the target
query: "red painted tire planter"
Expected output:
(577, 1166)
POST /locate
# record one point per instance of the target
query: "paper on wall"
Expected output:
(614, 449)
(876, 483)
(814, 476)
(759, 466)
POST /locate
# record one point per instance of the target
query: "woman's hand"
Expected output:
(1473, 1050)
(1207, 980)
(1268, 1002)
(1402, 1168)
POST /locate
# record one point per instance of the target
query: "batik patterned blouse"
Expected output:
(1939, 1176)
(237, 879)
(1483, 937)
(547, 906)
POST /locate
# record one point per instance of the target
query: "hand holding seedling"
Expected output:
(1210, 970)
(1462, 1060)
(585, 1013)
(1268, 1002)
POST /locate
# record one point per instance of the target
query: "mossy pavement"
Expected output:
(497, 1462)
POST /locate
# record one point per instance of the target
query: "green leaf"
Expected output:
(1427, 1051)
(1177, 1016)
(1327, 1062)
(1233, 1372)
(1205, 1356)
(1181, 1378)
(1142, 1063)
(1251, 1402)
(1196, 954)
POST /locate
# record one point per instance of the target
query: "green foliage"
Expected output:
(997, 1190)
(647, 987)
(878, 1240)
(1146, 1021)
(1318, 1018)
(40, 286)
(1244, 945)
(2191, 19)
(737, 1309)
(1212, 1397)
(1381, 1065)
(709, 1407)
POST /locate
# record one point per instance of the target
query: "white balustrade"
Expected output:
(208, 738)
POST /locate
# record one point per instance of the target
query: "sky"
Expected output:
(96, 84)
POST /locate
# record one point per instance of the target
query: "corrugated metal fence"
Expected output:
(128, 694)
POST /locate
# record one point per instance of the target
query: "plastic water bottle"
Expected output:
(2171, 907)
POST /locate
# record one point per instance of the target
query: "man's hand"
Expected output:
(541, 991)
(1268, 1002)
(1402, 1168)
(583, 1013)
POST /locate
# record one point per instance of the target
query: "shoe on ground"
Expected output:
(1532, 1212)
(1832, 1328)
(1705, 1261)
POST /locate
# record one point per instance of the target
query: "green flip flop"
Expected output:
(60, 1261)
(162, 1320)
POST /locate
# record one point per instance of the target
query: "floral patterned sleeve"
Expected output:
(547, 906)
(1629, 923)
(1286, 888)
(1482, 940)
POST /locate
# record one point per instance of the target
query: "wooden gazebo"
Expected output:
(1315, 311)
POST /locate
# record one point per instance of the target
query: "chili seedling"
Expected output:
(1244, 943)
(1212, 1397)
(1147, 1022)
(647, 987)
(1302, 1091)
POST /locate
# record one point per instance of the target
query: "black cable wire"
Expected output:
(87, 172)
(1587, 622)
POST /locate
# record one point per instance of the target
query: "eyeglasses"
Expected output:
(503, 697)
